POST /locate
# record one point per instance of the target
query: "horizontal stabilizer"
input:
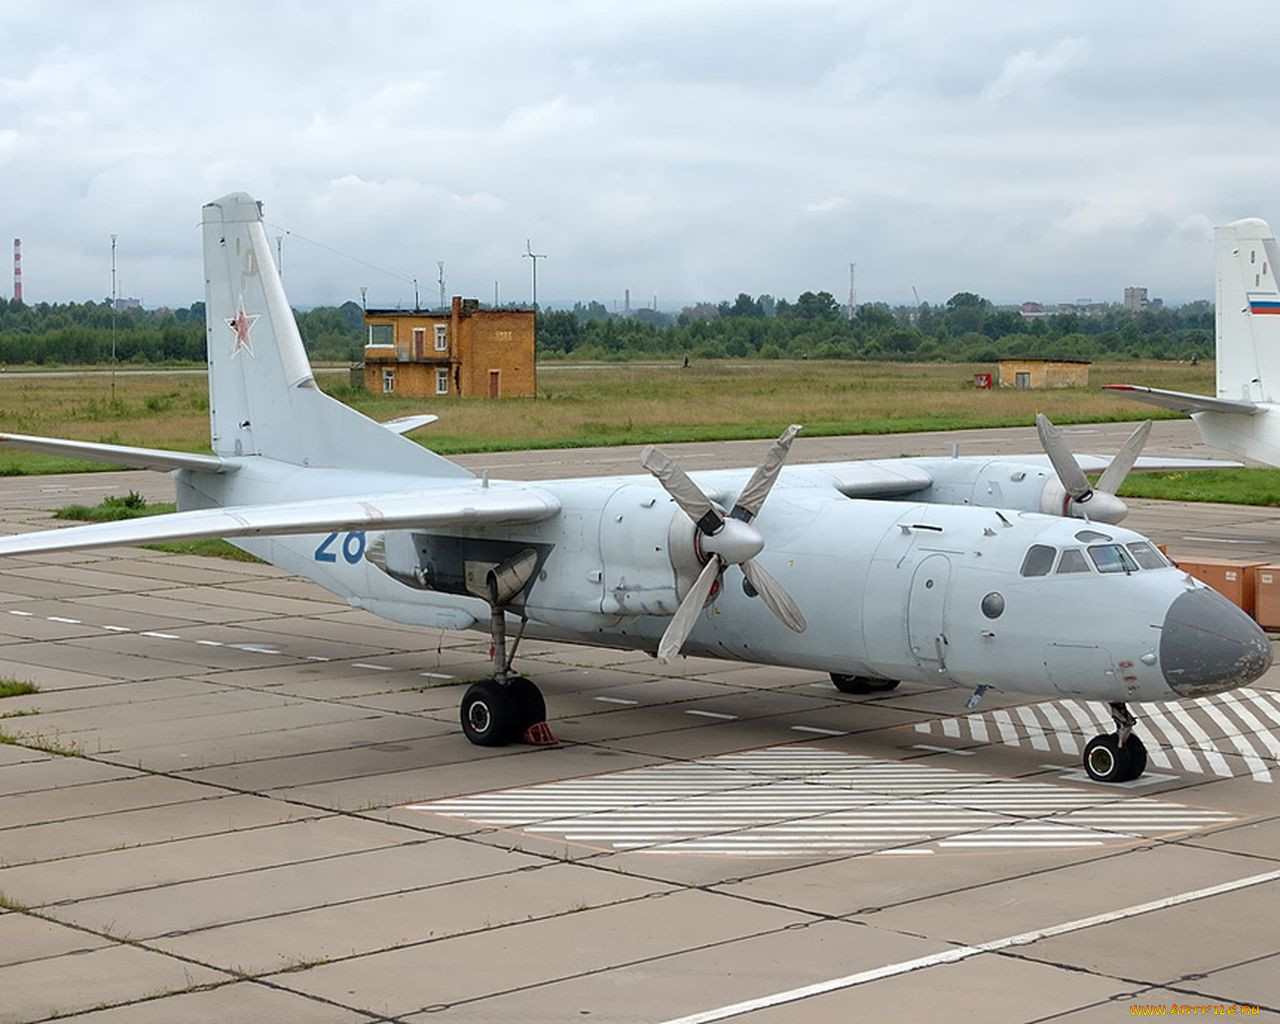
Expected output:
(119, 454)
(471, 505)
(1181, 401)
(404, 424)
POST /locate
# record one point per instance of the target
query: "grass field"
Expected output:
(599, 404)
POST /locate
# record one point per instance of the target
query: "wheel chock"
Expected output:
(539, 735)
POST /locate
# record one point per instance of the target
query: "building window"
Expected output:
(388, 381)
(381, 335)
(1022, 380)
(442, 382)
(442, 338)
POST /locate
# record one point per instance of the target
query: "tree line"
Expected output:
(967, 328)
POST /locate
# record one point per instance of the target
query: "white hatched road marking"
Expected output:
(1193, 736)
(800, 801)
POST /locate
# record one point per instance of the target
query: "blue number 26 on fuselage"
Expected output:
(352, 548)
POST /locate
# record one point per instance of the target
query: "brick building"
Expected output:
(465, 351)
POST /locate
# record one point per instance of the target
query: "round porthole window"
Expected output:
(993, 605)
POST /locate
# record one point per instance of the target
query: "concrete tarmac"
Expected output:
(236, 799)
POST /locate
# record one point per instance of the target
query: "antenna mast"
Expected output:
(853, 292)
(440, 279)
(17, 270)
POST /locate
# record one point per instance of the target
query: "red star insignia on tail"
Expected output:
(241, 324)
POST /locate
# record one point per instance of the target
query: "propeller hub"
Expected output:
(735, 542)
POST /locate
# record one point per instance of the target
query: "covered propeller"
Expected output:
(724, 540)
(1071, 494)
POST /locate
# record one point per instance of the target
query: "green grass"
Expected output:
(42, 743)
(210, 548)
(16, 687)
(1247, 486)
(115, 507)
(587, 405)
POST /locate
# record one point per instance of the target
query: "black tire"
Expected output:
(1137, 752)
(1106, 761)
(533, 708)
(490, 714)
(862, 684)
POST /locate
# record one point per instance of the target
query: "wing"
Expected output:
(1181, 401)
(119, 454)
(445, 506)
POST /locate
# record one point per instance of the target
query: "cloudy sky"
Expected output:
(690, 149)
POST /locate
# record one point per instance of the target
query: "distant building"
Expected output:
(1135, 299)
(1044, 373)
(129, 303)
(465, 351)
(1032, 311)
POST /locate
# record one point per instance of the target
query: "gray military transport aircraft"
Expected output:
(1004, 573)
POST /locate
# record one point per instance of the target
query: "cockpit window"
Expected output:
(1147, 556)
(1112, 558)
(1039, 560)
(1073, 560)
(1088, 536)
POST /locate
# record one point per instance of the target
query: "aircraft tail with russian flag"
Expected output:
(1244, 416)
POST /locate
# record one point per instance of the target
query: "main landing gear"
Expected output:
(1117, 756)
(507, 707)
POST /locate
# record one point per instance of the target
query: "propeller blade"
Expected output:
(1113, 476)
(686, 615)
(773, 594)
(688, 495)
(1064, 463)
(762, 480)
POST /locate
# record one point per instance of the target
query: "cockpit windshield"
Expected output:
(1044, 559)
(1112, 558)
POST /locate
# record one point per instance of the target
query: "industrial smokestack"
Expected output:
(17, 270)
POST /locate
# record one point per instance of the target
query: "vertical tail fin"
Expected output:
(263, 399)
(1248, 311)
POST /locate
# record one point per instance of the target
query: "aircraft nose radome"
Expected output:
(1209, 645)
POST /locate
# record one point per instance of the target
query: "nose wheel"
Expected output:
(1119, 756)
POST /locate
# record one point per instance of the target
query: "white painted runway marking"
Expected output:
(794, 801)
(428, 675)
(25, 615)
(117, 629)
(816, 730)
(615, 700)
(160, 636)
(710, 714)
(951, 956)
(59, 618)
(370, 665)
(1198, 735)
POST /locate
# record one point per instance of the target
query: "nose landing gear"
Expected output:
(1119, 756)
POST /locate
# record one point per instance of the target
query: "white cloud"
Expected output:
(692, 150)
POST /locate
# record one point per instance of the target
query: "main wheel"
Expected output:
(491, 714)
(862, 684)
(533, 708)
(1106, 761)
(1137, 756)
